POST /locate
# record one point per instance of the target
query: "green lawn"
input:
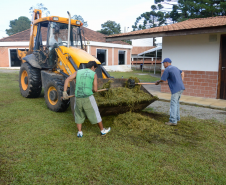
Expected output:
(39, 146)
(143, 76)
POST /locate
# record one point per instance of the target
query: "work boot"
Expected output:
(79, 134)
(170, 124)
(105, 131)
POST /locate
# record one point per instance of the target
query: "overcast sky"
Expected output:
(95, 12)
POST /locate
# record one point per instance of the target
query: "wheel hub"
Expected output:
(53, 95)
(26, 80)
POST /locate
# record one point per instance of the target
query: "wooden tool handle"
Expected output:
(70, 96)
(145, 83)
(102, 90)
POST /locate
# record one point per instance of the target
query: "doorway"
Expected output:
(222, 69)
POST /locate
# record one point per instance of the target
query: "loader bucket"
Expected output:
(114, 110)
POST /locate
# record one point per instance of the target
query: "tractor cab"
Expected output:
(51, 35)
(57, 33)
(48, 33)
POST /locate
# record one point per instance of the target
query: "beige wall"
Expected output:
(4, 55)
(128, 57)
(111, 60)
(116, 56)
(110, 57)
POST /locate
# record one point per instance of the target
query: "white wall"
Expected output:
(192, 52)
(121, 68)
(142, 42)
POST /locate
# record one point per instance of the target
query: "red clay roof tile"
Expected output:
(185, 25)
(90, 35)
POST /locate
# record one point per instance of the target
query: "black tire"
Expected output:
(53, 95)
(30, 82)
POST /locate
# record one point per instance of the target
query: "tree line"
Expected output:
(181, 10)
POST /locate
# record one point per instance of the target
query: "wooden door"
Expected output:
(223, 68)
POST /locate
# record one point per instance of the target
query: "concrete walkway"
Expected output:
(8, 70)
(190, 100)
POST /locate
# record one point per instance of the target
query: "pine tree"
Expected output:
(151, 19)
(189, 9)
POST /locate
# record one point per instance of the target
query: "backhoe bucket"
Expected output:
(113, 110)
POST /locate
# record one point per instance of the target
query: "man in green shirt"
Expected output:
(85, 104)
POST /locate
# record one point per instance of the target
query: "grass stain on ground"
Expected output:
(143, 126)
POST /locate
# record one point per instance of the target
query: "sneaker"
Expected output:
(170, 124)
(80, 134)
(105, 131)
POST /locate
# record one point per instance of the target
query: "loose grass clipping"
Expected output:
(108, 93)
(147, 129)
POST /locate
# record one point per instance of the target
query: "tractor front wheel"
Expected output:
(53, 96)
(30, 81)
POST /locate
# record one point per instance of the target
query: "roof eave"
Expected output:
(195, 31)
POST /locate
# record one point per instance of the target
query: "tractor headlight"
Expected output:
(78, 22)
(55, 18)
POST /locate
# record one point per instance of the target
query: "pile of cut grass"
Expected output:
(151, 130)
(123, 96)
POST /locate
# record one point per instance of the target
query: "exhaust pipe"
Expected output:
(69, 29)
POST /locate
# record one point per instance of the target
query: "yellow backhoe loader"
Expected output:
(56, 50)
(51, 59)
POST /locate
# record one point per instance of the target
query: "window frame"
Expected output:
(106, 55)
(9, 55)
(125, 57)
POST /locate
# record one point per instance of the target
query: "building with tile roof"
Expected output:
(108, 52)
(146, 61)
(196, 46)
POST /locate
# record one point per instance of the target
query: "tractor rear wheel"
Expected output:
(30, 82)
(53, 93)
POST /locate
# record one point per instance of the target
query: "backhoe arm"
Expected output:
(33, 31)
